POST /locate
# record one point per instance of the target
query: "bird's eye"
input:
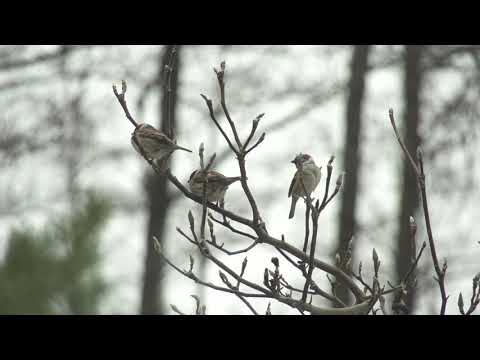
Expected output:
(305, 157)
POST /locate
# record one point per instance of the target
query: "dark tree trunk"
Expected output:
(409, 201)
(158, 201)
(351, 160)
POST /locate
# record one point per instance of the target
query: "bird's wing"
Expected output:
(214, 176)
(292, 184)
(136, 145)
(157, 135)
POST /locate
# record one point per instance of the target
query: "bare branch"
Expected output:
(338, 186)
(307, 228)
(254, 128)
(327, 184)
(259, 141)
(121, 99)
(192, 276)
(212, 116)
(246, 302)
(313, 284)
(204, 191)
(440, 272)
(402, 144)
(220, 77)
(414, 264)
(227, 224)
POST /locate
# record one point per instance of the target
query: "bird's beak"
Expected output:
(293, 162)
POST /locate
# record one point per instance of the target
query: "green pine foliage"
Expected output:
(56, 270)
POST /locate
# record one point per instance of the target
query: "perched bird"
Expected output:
(310, 173)
(155, 144)
(217, 184)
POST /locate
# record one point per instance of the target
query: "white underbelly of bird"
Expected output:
(306, 179)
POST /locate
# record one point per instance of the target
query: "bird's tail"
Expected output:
(182, 148)
(292, 207)
(231, 180)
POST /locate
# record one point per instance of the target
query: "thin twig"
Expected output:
(414, 264)
(180, 231)
(204, 193)
(191, 275)
(313, 284)
(258, 142)
(236, 252)
(314, 215)
(220, 247)
(212, 116)
(421, 182)
(338, 186)
(227, 224)
(440, 271)
(312, 256)
(210, 162)
(359, 277)
(246, 190)
(121, 99)
(289, 259)
(290, 287)
(220, 77)
(307, 228)
(246, 302)
(327, 183)
(252, 131)
(241, 153)
(402, 144)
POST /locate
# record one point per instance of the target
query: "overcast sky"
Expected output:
(318, 132)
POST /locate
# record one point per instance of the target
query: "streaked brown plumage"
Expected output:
(154, 143)
(217, 184)
(311, 175)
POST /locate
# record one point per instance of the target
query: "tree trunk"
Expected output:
(409, 201)
(159, 203)
(351, 160)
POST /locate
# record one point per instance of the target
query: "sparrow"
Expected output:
(310, 173)
(217, 184)
(155, 144)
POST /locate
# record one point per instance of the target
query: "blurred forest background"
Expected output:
(78, 206)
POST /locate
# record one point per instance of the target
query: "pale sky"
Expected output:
(319, 132)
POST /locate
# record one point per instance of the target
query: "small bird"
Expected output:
(217, 184)
(310, 173)
(155, 144)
